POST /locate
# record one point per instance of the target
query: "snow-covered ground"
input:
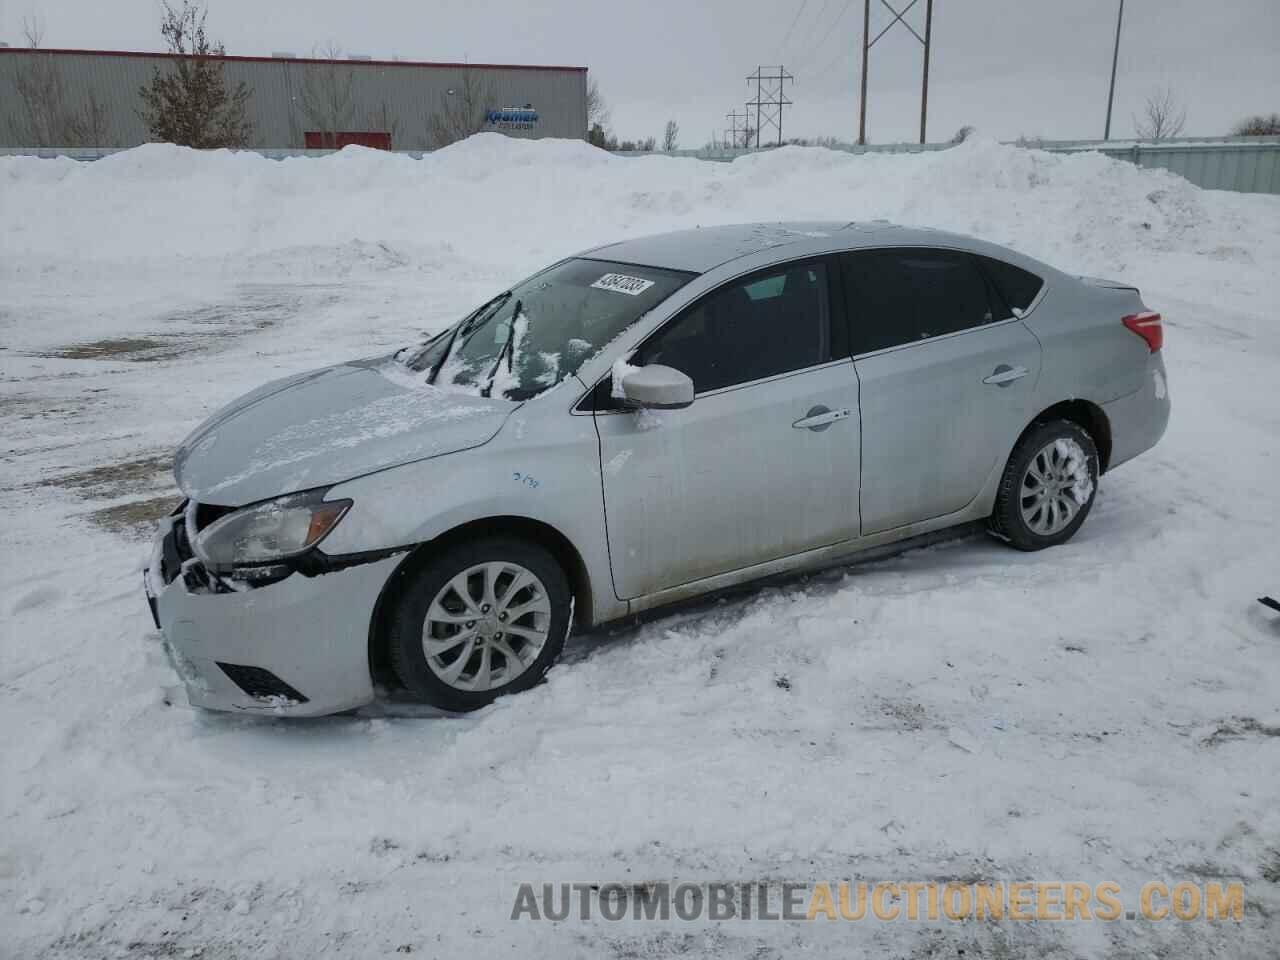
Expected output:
(1107, 710)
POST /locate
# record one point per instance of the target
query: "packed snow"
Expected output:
(1103, 711)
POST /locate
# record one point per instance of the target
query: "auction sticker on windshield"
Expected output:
(621, 283)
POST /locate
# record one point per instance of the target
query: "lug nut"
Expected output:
(503, 616)
(471, 624)
(484, 608)
(498, 635)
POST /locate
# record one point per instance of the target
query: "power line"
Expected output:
(814, 29)
(830, 32)
(794, 21)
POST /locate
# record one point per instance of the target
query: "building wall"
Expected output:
(385, 96)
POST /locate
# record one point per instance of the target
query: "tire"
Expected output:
(1051, 450)
(507, 630)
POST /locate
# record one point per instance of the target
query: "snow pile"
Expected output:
(1102, 711)
(523, 202)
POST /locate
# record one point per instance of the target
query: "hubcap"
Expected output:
(486, 626)
(1057, 485)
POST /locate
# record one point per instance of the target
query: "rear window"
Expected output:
(1018, 287)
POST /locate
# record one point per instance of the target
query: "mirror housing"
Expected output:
(657, 387)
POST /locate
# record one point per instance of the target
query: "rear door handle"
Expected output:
(819, 418)
(1004, 375)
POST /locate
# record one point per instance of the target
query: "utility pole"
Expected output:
(769, 102)
(924, 84)
(862, 99)
(734, 129)
(1115, 56)
(868, 42)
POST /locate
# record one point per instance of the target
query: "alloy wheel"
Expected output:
(486, 626)
(1056, 485)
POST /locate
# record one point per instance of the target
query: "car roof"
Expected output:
(703, 248)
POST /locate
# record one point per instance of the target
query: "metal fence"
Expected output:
(1244, 164)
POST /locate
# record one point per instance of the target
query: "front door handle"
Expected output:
(1004, 375)
(820, 418)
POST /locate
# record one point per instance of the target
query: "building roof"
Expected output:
(361, 62)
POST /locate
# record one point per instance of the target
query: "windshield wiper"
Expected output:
(507, 349)
(469, 326)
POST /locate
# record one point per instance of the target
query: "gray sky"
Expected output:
(1009, 67)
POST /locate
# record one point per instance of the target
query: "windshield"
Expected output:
(542, 330)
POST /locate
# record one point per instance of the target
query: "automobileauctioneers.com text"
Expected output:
(884, 901)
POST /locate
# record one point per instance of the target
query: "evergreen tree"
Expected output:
(187, 101)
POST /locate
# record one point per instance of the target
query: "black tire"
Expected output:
(1007, 520)
(420, 587)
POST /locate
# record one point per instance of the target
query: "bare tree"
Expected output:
(1162, 116)
(44, 117)
(597, 109)
(670, 136)
(963, 134)
(326, 98)
(382, 119)
(462, 111)
(1258, 126)
(189, 102)
(33, 32)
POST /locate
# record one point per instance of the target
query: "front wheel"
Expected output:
(482, 619)
(1048, 486)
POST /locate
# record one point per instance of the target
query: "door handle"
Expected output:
(819, 418)
(1004, 375)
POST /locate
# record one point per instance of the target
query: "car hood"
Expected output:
(327, 426)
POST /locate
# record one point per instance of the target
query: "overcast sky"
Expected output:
(1009, 67)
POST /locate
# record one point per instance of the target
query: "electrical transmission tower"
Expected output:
(898, 16)
(736, 132)
(770, 99)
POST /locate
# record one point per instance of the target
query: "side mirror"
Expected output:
(657, 387)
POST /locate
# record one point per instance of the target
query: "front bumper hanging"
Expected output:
(297, 646)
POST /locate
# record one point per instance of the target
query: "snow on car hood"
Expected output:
(327, 426)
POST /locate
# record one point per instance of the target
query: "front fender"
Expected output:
(544, 466)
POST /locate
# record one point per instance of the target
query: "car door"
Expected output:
(764, 464)
(947, 376)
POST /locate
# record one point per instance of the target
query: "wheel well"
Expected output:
(534, 531)
(1089, 416)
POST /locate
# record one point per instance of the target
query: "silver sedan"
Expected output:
(645, 422)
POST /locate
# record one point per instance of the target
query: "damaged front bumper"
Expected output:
(297, 646)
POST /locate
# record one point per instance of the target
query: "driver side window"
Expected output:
(763, 325)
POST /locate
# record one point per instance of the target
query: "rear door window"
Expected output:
(904, 295)
(1018, 287)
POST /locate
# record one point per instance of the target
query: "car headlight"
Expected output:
(269, 531)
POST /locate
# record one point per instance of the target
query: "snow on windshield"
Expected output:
(542, 330)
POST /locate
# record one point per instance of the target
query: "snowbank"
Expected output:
(522, 202)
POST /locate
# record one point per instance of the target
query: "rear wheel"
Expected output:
(1048, 486)
(481, 620)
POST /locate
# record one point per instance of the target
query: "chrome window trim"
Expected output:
(722, 390)
(1039, 297)
(938, 339)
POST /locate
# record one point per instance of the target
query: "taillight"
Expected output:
(1148, 326)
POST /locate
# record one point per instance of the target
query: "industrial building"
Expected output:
(92, 96)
